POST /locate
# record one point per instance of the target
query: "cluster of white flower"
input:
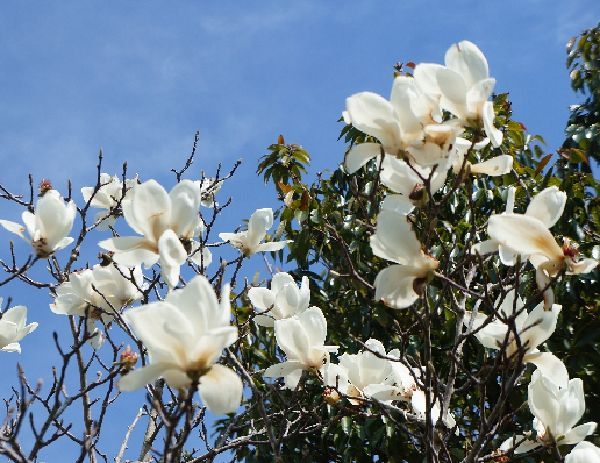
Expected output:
(417, 134)
(417, 147)
(185, 333)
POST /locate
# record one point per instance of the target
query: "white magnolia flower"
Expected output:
(462, 86)
(209, 187)
(493, 167)
(185, 335)
(408, 185)
(584, 452)
(398, 286)
(13, 328)
(557, 409)
(98, 293)
(371, 374)
(49, 226)
(528, 235)
(532, 329)
(302, 338)
(168, 223)
(408, 125)
(249, 241)
(107, 197)
(283, 300)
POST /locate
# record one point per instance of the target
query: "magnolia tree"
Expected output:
(439, 303)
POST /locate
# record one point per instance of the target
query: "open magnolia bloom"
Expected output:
(528, 235)
(532, 329)
(13, 328)
(493, 167)
(463, 86)
(249, 241)
(209, 187)
(98, 293)
(408, 182)
(302, 338)
(185, 335)
(107, 197)
(49, 226)
(557, 409)
(283, 300)
(398, 286)
(584, 452)
(365, 368)
(408, 125)
(168, 223)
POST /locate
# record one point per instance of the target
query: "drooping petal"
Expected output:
(494, 134)
(131, 250)
(584, 265)
(280, 370)
(394, 286)
(495, 166)
(394, 238)
(139, 377)
(397, 203)
(221, 390)
(578, 433)
(547, 206)
(171, 255)
(13, 227)
(272, 246)
(360, 154)
(539, 326)
(524, 234)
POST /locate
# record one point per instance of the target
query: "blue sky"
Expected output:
(139, 78)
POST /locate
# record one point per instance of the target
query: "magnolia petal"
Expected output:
(485, 247)
(397, 203)
(585, 265)
(541, 398)
(584, 452)
(547, 206)
(272, 246)
(539, 326)
(454, 92)
(131, 250)
(147, 209)
(399, 177)
(526, 235)
(221, 390)
(468, 60)
(495, 166)
(374, 115)
(394, 286)
(507, 255)
(520, 443)
(171, 255)
(395, 239)
(12, 347)
(14, 227)
(264, 320)
(550, 366)
(494, 134)
(260, 221)
(261, 298)
(360, 154)
(383, 392)
(578, 433)
(139, 377)
(425, 75)
(279, 370)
